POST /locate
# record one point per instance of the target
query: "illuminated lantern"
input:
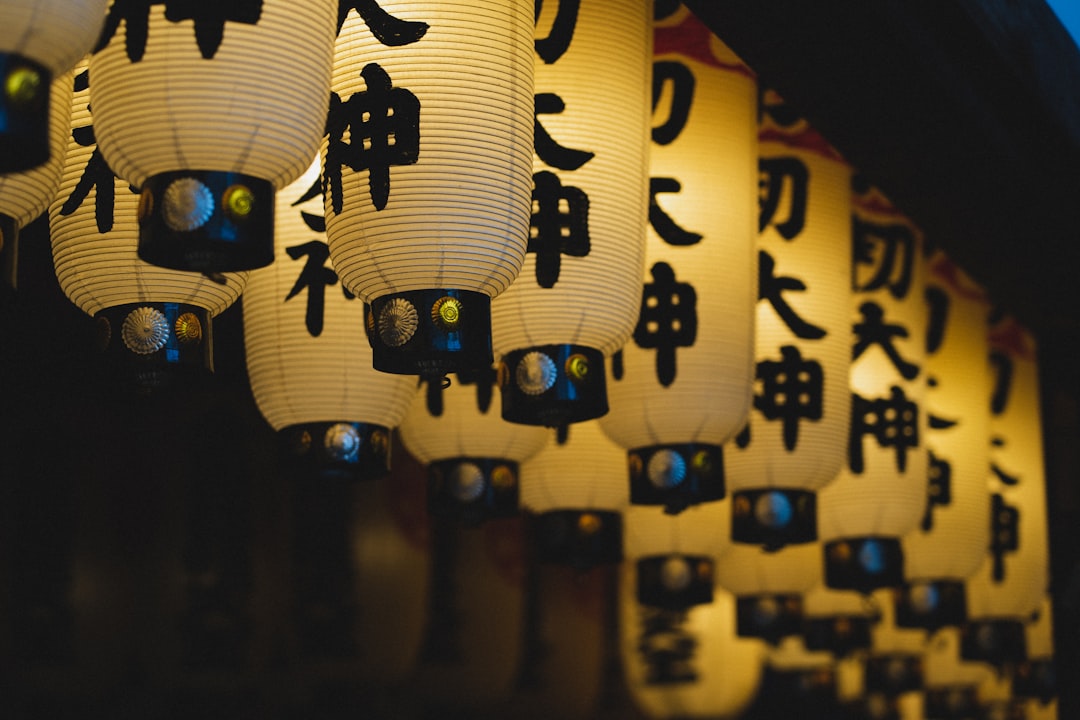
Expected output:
(880, 494)
(957, 514)
(794, 442)
(578, 294)
(152, 322)
(681, 386)
(473, 455)
(39, 41)
(427, 171)
(308, 361)
(210, 110)
(26, 194)
(576, 489)
(1009, 586)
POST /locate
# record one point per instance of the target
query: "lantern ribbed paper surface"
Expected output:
(881, 492)
(750, 570)
(95, 233)
(794, 443)
(210, 111)
(307, 357)
(580, 284)
(428, 190)
(682, 384)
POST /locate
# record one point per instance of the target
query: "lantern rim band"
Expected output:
(997, 641)
(496, 494)
(553, 385)
(24, 113)
(787, 621)
(581, 539)
(863, 564)
(948, 609)
(695, 475)
(356, 451)
(655, 590)
(838, 634)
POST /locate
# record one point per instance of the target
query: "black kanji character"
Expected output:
(873, 330)
(617, 367)
(1003, 375)
(771, 288)
(774, 175)
(1006, 478)
(742, 440)
(315, 276)
(559, 225)
(668, 230)
(682, 97)
(210, 19)
(791, 390)
(547, 149)
(1004, 533)
(383, 123)
(879, 245)
(558, 40)
(893, 421)
(937, 301)
(484, 379)
(668, 319)
(666, 647)
(386, 28)
(780, 112)
(938, 488)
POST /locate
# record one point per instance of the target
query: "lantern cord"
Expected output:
(216, 277)
(445, 381)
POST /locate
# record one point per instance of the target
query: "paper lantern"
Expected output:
(682, 386)
(473, 456)
(686, 664)
(880, 493)
(794, 441)
(210, 110)
(577, 298)
(427, 173)
(1010, 584)
(957, 514)
(308, 361)
(152, 323)
(837, 621)
(39, 41)
(576, 488)
(26, 194)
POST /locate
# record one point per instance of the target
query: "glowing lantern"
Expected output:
(209, 110)
(577, 297)
(427, 169)
(681, 387)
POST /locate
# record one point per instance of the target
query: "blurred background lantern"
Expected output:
(152, 322)
(951, 687)
(794, 441)
(308, 361)
(681, 386)
(577, 297)
(1036, 678)
(894, 665)
(957, 514)
(426, 171)
(194, 105)
(1008, 588)
(880, 493)
(39, 41)
(837, 621)
(795, 677)
(473, 456)
(575, 487)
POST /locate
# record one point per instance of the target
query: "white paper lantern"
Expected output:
(39, 41)
(957, 514)
(473, 455)
(880, 494)
(427, 171)
(210, 111)
(576, 300)
(681, 386)
(309, 363)
(794, 442)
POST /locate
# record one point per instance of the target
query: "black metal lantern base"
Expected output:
(674, 582)
(9, 258)
(553, 385)
(152, 345)
(206, 221)
(350, 450)
(1035, 679)
(768, 617)
(931, 605)
(773, 517)
(578, 538)
(677, 475)
(430, 332)
(810, 692)
(839, 634)
(893, 674)
(24, 113)
(472, 490)
(952, 702)
(864, 564)
(999, 642)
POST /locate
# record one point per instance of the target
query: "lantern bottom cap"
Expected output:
(578, 538)
(553, 385)
(676, 475)
(674, 581)
(24, 113)
(430, 332)
(773, 517)
(350, 450)
(472, 490)
(997, 641)
(931, 604)
(863, 564)
(206, 221)
(768, 616)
